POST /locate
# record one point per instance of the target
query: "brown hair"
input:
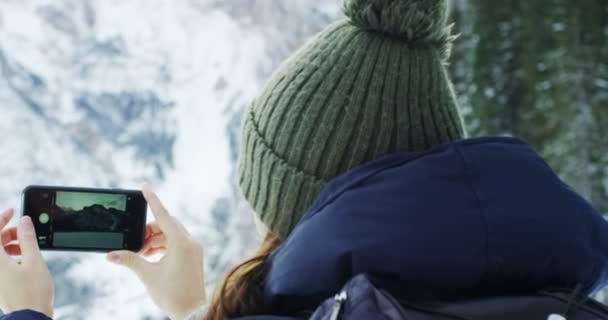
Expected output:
(241, 292)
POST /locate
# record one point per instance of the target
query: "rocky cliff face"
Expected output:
(114, 93)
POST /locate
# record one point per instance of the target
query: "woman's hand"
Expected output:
(24, 284)
(176, 282)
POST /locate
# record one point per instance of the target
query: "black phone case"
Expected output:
(141, 222)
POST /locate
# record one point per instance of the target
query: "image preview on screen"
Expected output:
(89, 219)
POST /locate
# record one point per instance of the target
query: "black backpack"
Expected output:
(360, 299)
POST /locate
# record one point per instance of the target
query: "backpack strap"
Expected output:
(575, 300)
(575, 303)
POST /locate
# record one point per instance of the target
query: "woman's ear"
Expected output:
(260, 226)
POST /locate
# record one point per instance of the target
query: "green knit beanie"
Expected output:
(365, 87)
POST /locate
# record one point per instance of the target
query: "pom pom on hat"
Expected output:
(414, 21)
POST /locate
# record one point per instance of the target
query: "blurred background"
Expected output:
(111, 93)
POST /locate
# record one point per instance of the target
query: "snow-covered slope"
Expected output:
(111, 93)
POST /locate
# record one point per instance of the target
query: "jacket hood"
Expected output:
(475, 217)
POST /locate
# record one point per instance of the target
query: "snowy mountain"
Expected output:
(111, 93)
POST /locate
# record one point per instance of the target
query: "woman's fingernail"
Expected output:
(26, 221)
(113, 257)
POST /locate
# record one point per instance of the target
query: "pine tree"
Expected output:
(539, 70)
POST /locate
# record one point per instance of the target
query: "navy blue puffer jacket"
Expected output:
(477, 217)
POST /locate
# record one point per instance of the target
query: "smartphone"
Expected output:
(86, 219)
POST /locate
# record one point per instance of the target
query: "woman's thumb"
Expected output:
(130, 260)
(28, 243)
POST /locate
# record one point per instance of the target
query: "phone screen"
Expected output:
(86, 219)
